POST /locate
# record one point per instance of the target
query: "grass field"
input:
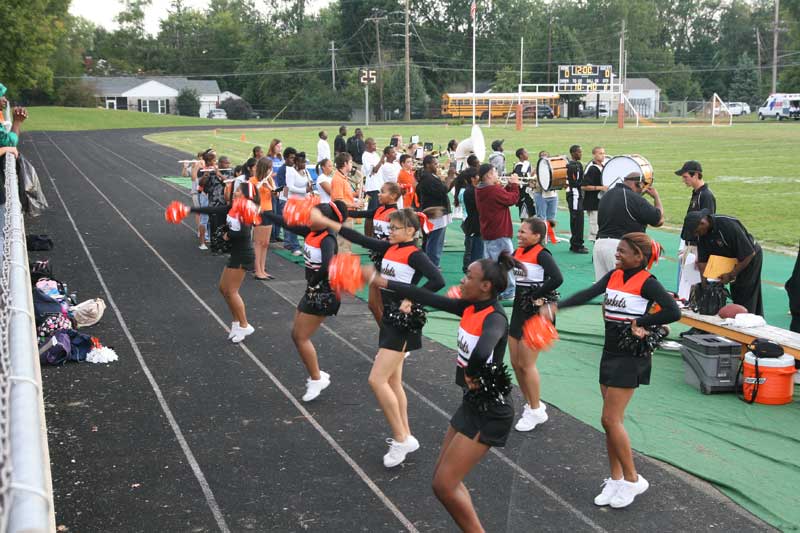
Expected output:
(752, 168)
(77, 119)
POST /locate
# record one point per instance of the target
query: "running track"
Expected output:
(187, 432)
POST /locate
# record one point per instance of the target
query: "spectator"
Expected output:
(324, 180)
(370, 166)
(356, 146)
(497, 158)
(493, 201)
(389, 167)
(323, 148)
(341, 190)
(407, 183)
(19, 114)
(340, 142)
(275, 155)
(258, 153)
(432, 193)
(289, 155)
(473, 244)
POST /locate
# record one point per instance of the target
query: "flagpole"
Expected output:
(474, 20)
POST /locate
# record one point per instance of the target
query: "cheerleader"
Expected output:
(387, 199)
(401, 323)
(486, 414)
(630, 311)
(319, 301)
(537, 277)
(241, 260)
(262, 179)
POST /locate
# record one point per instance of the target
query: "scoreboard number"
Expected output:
(584, 78)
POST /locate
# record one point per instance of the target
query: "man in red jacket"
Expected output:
(493, 202)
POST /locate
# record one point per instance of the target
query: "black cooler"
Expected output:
(710, 362)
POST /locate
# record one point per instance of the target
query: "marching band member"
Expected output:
(401, 323)
(592, 188)
(702, 198)
(575, 200)
(537, 276)
(629, 308)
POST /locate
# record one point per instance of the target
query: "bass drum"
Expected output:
(623, 165)
(552, 173)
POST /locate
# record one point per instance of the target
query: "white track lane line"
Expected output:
(306, 414)
(195, 466)
(503, 457)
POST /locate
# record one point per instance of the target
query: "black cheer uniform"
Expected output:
(239, 236)
(629, 296)
(538, 278)
(406, 264)
(318, 249)
(482, 339)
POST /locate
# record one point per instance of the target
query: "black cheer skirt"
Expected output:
(319, 301)
(493, 425)
(624, 370)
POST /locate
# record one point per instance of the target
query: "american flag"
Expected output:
(472, 9)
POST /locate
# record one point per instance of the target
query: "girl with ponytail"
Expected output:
(635, 302)
(486, 414)
(401, 321)
(319, 300)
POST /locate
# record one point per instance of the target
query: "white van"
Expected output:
(781, 106)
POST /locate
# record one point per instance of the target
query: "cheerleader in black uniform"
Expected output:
(388, 196)
(242, 260)
(486, 414)
(402, 321)
(631, 295)
(319, 301)
(537, 277)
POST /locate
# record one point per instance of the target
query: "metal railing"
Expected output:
(26, 492)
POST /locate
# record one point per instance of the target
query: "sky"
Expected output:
(102, 12)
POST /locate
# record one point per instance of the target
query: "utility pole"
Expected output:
(758, 52)
(775, 46)
(377, 21)
(333, 67)
(407, 113)
(549, 46)
(621, 78)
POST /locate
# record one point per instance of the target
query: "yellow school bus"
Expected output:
(501, 104)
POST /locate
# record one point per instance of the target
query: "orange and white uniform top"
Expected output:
(380, 221)
(470, 330)
(531, 273)
(623, 299)
(395, 263)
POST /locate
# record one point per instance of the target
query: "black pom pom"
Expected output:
(643, 347)
(494, 384)
(413, 321)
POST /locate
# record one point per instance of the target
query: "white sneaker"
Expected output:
(407, 355)
(610, 487)
(234, 327)
(532, 417)
(203, 246)
(398, 451)
(627, 491)
(241, 333)
(315, 387)
(297, 253)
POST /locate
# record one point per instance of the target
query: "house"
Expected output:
(643, 95)
(156, 94)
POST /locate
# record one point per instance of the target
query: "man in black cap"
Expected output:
(497, 158)
(702, 198)
(725, 236)
(575, 200)
(623, 210)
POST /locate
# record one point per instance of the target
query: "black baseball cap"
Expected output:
(689, 166)
(484, 169)
(693, 219)
(497, 144)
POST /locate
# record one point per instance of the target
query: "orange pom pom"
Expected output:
(454, 292)
(344, 273)
(539, 333)
(246, 210)
(176, 212)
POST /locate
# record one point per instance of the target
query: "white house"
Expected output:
(156, 94)
(643, 94)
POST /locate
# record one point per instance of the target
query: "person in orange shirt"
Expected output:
(342, 191)
(261, 233)
(407, 182)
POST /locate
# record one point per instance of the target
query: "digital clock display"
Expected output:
(584, 78)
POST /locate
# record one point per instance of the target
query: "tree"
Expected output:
(188, 102)
(237, 108)
(744, 85)
(75, 93)
(506, 80)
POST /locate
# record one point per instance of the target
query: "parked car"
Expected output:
(544, 111)
(218, 114)
(590, 111)
(781, 106)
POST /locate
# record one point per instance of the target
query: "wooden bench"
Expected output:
(714, 324)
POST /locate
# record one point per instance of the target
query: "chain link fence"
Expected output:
(26, 494)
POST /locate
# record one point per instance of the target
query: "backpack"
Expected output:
(88, 313)
(57, 350)
(708, 299)
(44, 305)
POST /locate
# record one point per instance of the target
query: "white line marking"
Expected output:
(306, 414)
(195, 466)
(504, 458)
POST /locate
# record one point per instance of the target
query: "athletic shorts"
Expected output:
(494, 425)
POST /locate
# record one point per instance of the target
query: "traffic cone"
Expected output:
(551, 233)
(243, 138)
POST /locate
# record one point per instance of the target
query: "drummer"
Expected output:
(623, 210)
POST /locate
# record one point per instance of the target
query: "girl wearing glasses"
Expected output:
(401, 323)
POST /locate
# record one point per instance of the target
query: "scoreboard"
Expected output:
(584, 78)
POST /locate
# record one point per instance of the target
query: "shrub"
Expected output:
(188, 102)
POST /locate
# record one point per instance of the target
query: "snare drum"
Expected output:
(623, 165)
(552, 173)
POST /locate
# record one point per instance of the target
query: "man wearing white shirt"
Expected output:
(323, 148)
(390, 168)
(370, 166)
(297, 186)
